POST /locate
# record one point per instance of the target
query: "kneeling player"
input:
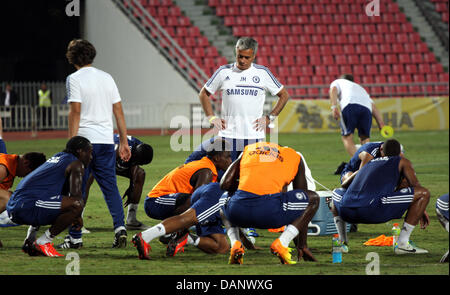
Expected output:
(52, 194)
(442, 214)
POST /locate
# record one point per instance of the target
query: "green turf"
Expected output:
(428, 152)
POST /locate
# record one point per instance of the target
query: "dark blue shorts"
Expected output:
(205, 201)
(34, 210)
(382, 209)
(238, 145)
(355, 116)
(245, 209)
(442, 205)
(164, 206)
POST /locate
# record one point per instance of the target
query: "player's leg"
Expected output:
(131, 221)
(4, 198)
(364, 124)
(214, 244)
(442, 214)
(104, 170)
(340, 223)
(297, 227)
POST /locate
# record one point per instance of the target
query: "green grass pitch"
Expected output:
(428, 151)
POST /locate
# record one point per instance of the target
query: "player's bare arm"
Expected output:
(74, 118)
(230, 180)
(124, 148)
(201, 177)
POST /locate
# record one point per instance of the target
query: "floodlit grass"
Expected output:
(428, 151)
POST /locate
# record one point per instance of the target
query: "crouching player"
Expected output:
(52, 194)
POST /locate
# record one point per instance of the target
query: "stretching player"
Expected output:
(52, 194)
(141, 154)
(377, 193)
(171, 195)
(261, 175)
(204, 213)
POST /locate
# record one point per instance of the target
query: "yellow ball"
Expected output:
(387, 131)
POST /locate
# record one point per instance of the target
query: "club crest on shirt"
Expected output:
(256, 79)
(300, 196)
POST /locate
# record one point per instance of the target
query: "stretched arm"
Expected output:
(134, 191)
(230, 180)
(124, 149)
(74, 118)
(299, 181)
(201, 177)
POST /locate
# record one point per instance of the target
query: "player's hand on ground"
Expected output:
(126, 196)
(425, 220)
(306, 254)
(261, 123)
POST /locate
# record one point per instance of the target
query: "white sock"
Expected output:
(31, 232)
(131, 215)
(446, 226)
(405, 233)
(233, 234)
(341, 227)
(154, 232)
(290, 232)
(45, 238)
(193, 240)
(116, 230)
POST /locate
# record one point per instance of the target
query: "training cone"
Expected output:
(387, 131)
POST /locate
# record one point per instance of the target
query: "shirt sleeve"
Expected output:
(73, 90)
(271, 83)
(215, 82)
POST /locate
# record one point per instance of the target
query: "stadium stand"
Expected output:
(329, 37)
(309, 43)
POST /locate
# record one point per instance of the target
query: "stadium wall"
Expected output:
(144, 77)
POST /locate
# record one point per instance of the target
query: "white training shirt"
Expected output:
(351, 92)
(97, 92)
(243, 96)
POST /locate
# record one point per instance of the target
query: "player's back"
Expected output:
(49, 178)
(265, 168)
(370, 147)
(379, 176)
(351, 93)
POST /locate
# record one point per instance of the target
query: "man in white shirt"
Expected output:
(356, 109)
(94, 99)
(244, 86)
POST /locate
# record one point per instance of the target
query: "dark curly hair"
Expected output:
(76, 143)
(35, 159)
(80, 52)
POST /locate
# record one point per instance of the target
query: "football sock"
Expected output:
(116, 230)
(45, 238)
(290, 232)
(233, 234)
(341, 228)
(193, 240)
(154, 232)
(131, 215)
(405, 233)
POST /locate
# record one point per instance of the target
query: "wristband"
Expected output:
(333, 107)
(211, 119)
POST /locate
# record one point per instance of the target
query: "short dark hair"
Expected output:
(347, 77)
(143, 153)
(76, 143)
(80, 52)
(218, 146)
(391, 147)
(34, 159)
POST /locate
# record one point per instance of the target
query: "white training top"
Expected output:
(243, 96)
(97, 92)
(351, 92)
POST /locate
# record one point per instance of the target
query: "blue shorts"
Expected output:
(238, 145)
(355, 116)
(382, 209)
(164, 206)
(34, 210)
(245, 209)
(205, 201)
(2, 147)
(442, 205)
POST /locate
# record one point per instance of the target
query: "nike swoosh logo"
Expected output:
(411, 251)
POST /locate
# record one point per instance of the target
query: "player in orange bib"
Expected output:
(257, 183)
(11, 166)
(171, 195)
